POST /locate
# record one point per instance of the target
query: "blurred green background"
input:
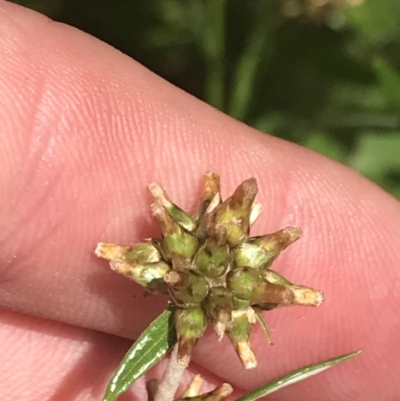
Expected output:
(322, 73)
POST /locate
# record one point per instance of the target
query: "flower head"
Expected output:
(211, 267)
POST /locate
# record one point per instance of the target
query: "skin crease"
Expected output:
(83, 131)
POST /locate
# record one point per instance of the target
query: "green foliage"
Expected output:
(159, 337)
(296, 376)
(152, 346)
(383, 149)
(326, 77)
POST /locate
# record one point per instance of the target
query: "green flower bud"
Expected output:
(275, 278)
(150, 276)
(243, 282)
(186, 288)
(274, 244)
(175, 238)
(268, 293)
(251, 255)
(143, 253)
(273, 295)
(190, 326)
(212, 259)
(300, 295)
(182, 218)
(243, 319)
(285, 295)
(240, 303)
(234, 213)
(218, 306)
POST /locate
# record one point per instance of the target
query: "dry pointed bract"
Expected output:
(192, 392)
(212, 269)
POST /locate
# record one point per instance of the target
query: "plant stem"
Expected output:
(258, 49)
(171, 379)
(214, 50)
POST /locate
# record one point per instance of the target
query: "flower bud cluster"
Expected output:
(212, 269)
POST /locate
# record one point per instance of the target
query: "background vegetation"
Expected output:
(323, 73)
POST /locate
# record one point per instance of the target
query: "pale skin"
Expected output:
(83, 130)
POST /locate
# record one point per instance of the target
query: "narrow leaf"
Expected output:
(152, 345)
(263, 325)
(296, 376)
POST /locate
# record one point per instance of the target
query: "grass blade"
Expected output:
(296, 376)
(152, 345)
(214, 51)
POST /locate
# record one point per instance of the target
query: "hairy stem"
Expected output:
(171, 379)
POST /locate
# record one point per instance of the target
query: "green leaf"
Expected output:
(326, 145)
(377, 154)
(264, 325)
(389, 79)
(152, 345)
(296, 376)
(376, 19)
(258, 51)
